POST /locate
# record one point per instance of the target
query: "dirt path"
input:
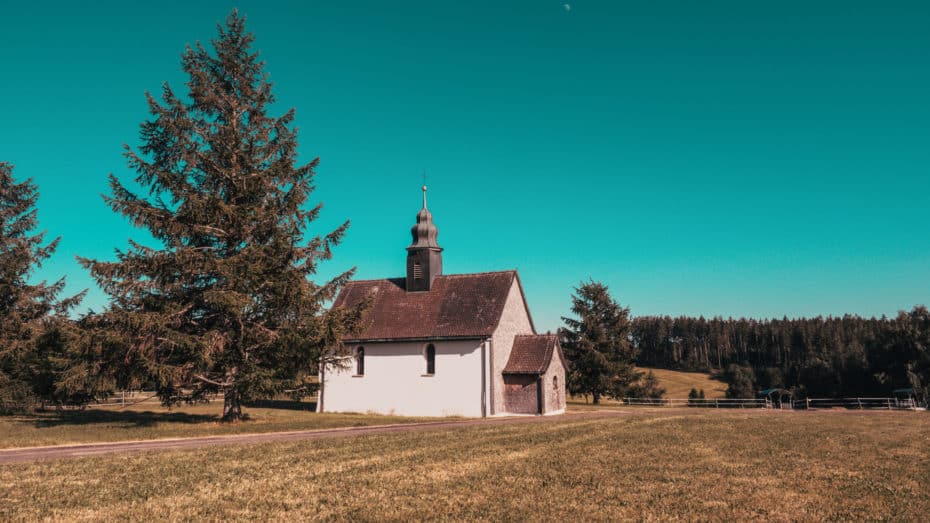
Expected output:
(93, 449)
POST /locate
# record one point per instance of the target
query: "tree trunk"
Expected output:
(232, 407)
(597, 398)
(319, 397)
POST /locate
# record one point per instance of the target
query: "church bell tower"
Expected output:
(424, 256)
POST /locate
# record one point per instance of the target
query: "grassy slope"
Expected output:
(678, 384)
(151, 421)
(655, 465)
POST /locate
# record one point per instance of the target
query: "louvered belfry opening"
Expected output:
(424, 255)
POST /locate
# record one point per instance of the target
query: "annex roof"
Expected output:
(464, 306)
(532, 353)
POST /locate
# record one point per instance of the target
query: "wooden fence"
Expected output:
(720, 403)
(857, 403)
(765, 403)
(135, 397)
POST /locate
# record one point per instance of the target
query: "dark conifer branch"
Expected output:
(35, 333)
(225, 301)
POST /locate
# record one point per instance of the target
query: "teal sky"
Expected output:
(700, 157)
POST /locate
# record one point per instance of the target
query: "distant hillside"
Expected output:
(828, 357)
(678, 384)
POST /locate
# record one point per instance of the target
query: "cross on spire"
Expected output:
(424, 189)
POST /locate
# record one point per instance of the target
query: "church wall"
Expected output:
(554, 386)
(514, 320)
(394, 381)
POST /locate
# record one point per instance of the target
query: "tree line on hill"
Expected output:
(815, 357)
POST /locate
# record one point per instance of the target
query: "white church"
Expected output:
(445, 345)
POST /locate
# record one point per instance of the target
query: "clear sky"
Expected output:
(761, 158)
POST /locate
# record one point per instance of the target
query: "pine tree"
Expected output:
(225, 303)
(646, 386)
(741, 380)
(597, 344)
(32, 319)
(693, 396)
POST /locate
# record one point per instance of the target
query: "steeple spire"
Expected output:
(424, 255)
(424, 232)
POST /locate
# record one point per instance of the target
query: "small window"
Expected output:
(360, 361)
(417, 271)
(430, 359)
(555, 383)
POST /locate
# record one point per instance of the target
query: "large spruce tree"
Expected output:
(32, 318)
(597, 345)
(225, 301)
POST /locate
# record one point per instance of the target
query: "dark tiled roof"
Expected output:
(457, 306)
(531, 354)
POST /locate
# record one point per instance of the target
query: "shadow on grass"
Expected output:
(283, 405)
(127, 417)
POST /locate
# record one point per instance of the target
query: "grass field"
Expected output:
(646, 464)
(678, 384)
(151, 421)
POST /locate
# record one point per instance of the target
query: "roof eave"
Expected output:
(419, 338)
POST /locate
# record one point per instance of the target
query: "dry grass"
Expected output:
(652, 465)
(151, 421)
(678, 384)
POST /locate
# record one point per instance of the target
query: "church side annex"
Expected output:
(445, 345)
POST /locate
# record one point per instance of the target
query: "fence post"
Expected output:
(808, 406)
(859, 401)
(716, 405)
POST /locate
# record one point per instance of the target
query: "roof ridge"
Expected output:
(440, 276)
(375, 279)
(477, 273)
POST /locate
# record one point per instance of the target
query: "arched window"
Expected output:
(360, 361)
(430, 359)
(555, 383)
